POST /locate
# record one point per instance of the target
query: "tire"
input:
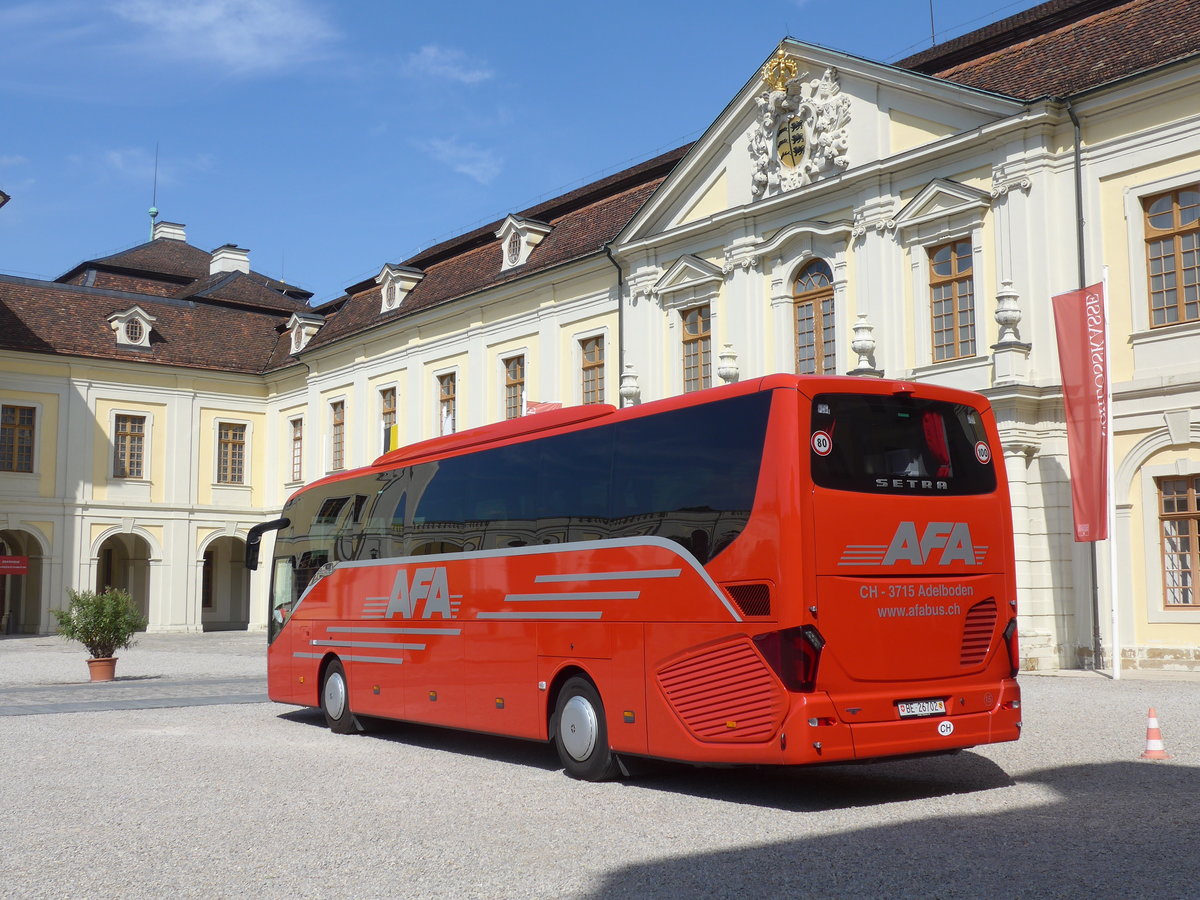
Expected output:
(335, 700)
(581, 732)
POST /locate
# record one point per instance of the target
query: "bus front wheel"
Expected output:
(335, 700)
(581, 734)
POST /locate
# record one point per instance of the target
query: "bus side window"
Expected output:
(573, 485)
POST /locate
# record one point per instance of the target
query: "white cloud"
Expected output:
(446, 63)
(242, 35)
(477, 163)
(136, 165)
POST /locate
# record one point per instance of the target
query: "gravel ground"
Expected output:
(261, 800)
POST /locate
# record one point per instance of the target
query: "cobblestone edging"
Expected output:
(140, 693)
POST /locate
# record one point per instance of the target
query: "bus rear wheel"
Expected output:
(581, 733)
(335, 700)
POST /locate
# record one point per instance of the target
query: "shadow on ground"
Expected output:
(1116, 830)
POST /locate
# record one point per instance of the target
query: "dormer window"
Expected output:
(132, 327)
(518, 236)
(395, 282)
(302, 327)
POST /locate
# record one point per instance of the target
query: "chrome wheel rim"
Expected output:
(335, 695)
(577, 728)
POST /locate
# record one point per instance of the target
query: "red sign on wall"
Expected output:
(14, 565)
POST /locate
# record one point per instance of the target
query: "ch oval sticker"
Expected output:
(945, 728)
(822, 443)
(983, 452)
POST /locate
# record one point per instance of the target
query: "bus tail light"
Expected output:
(794, 654)
(1013, 644)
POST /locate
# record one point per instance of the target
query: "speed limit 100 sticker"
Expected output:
(983, 452)
(821, 443)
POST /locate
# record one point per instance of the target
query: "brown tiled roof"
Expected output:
(549, 210)
(162, 266)
(70, 320)
(1066, 46)
(240, 289)
(582, 222)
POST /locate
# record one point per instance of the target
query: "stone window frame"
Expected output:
(1139, 288)
(1156, 611)
(247, 445)
(147, 445)
(295, 449)
(38, 419)
(580, 364)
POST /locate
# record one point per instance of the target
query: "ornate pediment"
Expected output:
(801, 129)
(942, 199)
(686, 273)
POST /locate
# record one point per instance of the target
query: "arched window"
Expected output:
(1173, 255)
(815, 347)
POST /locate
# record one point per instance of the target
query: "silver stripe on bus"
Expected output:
(856, 554)
(342, 629)
(375, 659)
(391, 660)
(565, 614)
(383, 645)
(577, 595)
(575, 546)
(612, 576)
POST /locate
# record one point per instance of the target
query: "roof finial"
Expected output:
(154, 195)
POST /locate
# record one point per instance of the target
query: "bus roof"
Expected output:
(500, 433)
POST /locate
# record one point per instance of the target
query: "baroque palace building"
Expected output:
(844, 216)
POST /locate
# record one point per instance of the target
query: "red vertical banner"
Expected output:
(1080, 325)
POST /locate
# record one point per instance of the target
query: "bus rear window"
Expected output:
(898, 444)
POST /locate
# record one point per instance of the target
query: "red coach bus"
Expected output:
(790, 570)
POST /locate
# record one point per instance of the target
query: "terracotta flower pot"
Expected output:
(103, 669)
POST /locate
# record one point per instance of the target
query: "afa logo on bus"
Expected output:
(953, 539)
(429, 586)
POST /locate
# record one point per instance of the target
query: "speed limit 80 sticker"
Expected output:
(822, 443)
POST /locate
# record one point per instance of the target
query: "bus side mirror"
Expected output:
(254, 539)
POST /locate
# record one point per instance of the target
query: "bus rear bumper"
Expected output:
(814, 737)
(934, 733)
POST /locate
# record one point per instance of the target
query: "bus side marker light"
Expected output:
(375, 689)
(499, 703)
(302, 679)
(1011, 704)
(541, 685)
(628, 717)
(731, 724)
(433, 696)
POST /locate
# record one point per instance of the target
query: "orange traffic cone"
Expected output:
(1154, 741)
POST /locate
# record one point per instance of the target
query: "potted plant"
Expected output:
(104, 623)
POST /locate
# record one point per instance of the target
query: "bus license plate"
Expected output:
(912, 708)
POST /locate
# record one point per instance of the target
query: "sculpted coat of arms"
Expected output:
(801, 128)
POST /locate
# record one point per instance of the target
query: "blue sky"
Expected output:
(330, 138)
